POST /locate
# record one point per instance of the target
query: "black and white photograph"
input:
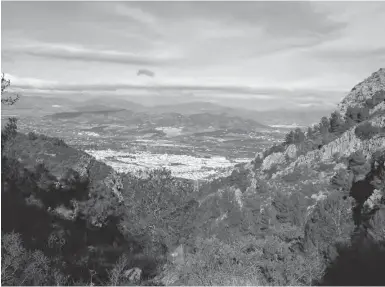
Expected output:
(192, 143)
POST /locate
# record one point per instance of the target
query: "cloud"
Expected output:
(79, 53)
(349, 53)
(28, 82)
(146, 72)
(229, 89)
(285, 19)
(136, 14)
(220, 50)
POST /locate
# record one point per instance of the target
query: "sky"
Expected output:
(259, 55)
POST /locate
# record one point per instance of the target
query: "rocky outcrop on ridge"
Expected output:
(363, 91)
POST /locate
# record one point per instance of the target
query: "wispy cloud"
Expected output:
(79, 53)
(349, 53)
(223, 88)
(136, 14)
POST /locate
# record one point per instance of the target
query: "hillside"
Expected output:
(310, 199)
(77, 213)
(37, 106)
(308, 211)
(198, 121)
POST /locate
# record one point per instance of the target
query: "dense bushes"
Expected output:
(329, 128)
(59, 142)
(336, 122)
(377, 98)
(366, 131)
(295, 137)
(357, 114)
(32, 136)
(268, 261)
(22, 267)
(273, 149)
(74, 207)
(330, 222)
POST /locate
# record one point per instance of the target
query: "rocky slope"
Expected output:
(324, 194)
(369, 89)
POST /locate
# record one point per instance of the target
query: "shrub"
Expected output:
(359, 165)
(8, 132)
(342, 179)
(217, 263)
(310, 132)
(366, 131)
(377, 98)
(325, 166)
(293, 176)
(335, 122)
(22, 267)
(59, 142)
(32, 136)
(273, 149)
(324, 125)
(357, 114)
(289, 208)
(43, 137)
(330, 222)
(6, 98)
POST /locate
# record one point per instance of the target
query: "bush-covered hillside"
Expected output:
(310, 211)
(307, 211)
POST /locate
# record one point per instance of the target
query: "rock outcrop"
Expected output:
(374, 200)
(273, 160)
(345, 145)
(114, 182)
(134, 275)
(364, 91)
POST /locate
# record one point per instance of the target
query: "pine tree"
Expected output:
(299, 136)
(335, 122)
(324, 126)
(309, 132)
(289, 138)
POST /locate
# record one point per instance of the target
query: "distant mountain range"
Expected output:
(195, 121)
(40, 106)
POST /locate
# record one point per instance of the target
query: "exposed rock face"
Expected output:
(133, 275)
(291, 151)
(345, 145)
(374, 200)
(238, 197)
(273, 160)
(380, 107)
(177, 256)
(82, 166)
(364, 91)
(378, 121)
(114, 182)
(64, 212)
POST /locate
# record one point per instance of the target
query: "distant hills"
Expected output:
(203, 120)
(40, 106)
